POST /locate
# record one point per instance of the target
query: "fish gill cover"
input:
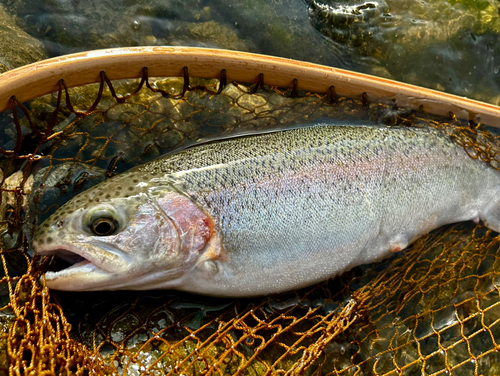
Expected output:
(434, 309)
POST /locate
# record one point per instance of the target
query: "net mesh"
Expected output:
(434, 309)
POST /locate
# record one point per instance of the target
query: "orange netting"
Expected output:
(432, 310)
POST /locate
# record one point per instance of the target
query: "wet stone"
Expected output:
(125, 112)
(444, 317)
(54, 186)
(169, 139)
(198, 100)
(5, 323)
(406, 354)
(180, 111)
(15, 191)
(232, 91)
(186, 126)
(261, 110)
(281, 29)
(145, 96)
(384, 363)
(82, 97)
(214, 33)
(249, 102)
(480, 343)
(107, 129)
(200, 116)
(236, 111)
(10, 239)
(161, 106)
(450, 336)
(126, 134)
(489, 364)
(17, 48)
(221, 120)
(492, 314)
(219, 102)
(172, 85)
(435, 363)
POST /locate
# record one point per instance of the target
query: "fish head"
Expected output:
(124, 239)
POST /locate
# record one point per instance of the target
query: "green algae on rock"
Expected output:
(17, 48)
(446, 45)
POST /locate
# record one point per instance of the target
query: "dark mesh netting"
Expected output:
(434, 309)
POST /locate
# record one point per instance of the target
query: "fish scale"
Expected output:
(268, 213)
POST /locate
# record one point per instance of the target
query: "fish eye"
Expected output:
(102, 220)
(103, 226)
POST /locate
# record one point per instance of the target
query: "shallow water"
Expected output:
(447, 45)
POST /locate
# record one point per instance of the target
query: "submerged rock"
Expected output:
(68, 26)
(14, 192)
(281, 28)
(6, 322)
(445, 45)
(17, 48)
(54, 185)
(278, 28)
(211, 33)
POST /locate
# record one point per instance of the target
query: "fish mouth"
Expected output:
(66, 262)
(72, 260)
(77, 268)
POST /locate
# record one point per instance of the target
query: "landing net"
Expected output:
(434, 309)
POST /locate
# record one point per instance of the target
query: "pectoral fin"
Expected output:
(491, 216)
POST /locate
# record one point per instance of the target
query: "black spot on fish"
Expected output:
(135, 181)
(41, 241)
(130, 188)
(107, 196)
(49, 240)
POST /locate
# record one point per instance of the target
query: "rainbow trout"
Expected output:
(267, 213)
